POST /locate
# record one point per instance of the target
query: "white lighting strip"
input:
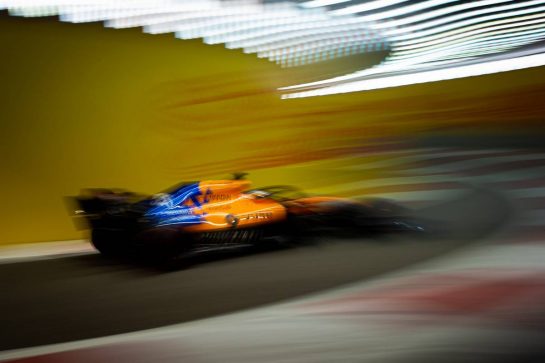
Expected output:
(174, 13)
(488, 42)
(298, 34)
(383, 69)
(506, 33)
(320, 3)
(256, 33)
(283, 43)
(498, 46)
(392, 13)
(250, 35)
(426, 39)
(308, 51)
(479, 28)
(370, 5)
(453, 21)
(486, 46)
(103, 13)
(430, 76)
(466, 39)
(229, 23)
(201, 18)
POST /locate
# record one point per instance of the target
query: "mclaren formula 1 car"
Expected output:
(225, 214)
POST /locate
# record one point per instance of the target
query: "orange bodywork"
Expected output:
(215, 205)
(312, 205)
(223, 204)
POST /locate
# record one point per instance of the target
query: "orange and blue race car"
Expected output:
(217, 215)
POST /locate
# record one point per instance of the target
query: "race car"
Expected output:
(214, 215)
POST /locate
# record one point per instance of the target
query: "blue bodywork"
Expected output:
(170, 210)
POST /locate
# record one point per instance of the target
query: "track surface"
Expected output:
(88, 296)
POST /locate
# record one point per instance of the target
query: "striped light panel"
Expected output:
(426, 40)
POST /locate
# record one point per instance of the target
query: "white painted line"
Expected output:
(44, 250)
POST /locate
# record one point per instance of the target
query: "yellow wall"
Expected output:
(84, 106)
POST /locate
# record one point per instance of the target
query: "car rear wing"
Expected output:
(92, 204)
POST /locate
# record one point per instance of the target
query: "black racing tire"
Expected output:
(384, 207)
(301, 230)
(382, 216)
(109, 242)
(164, 246)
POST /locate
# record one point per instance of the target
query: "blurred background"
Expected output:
(89, 106)
(436, 104)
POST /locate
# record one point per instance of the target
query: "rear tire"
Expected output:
(109, 243)
(164, 246)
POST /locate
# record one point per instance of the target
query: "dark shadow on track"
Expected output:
(88, 296)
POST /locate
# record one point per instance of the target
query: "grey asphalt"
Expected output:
(72, 298)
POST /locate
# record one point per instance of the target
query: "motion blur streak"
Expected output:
(370, 5)
(422, 22)
(483, 301)
(187, 111)
(85, 105)
(295, 34)
(391, 13)
(318, 3)
(430, 76)
(467, 27)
